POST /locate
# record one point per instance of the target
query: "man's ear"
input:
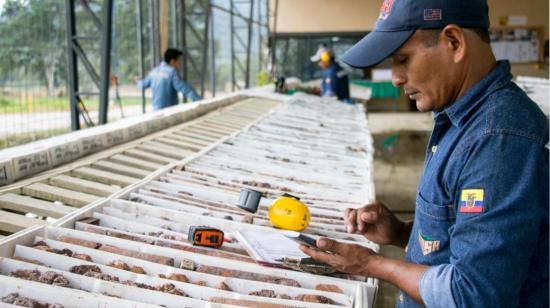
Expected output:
(455, 41)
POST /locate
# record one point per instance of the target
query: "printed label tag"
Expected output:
(427, 244)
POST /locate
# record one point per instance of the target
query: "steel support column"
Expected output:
(249, 46)
(139, 28)
(212, 54)
(72, 72)
(174, 37)
(273, 40)
(232, 43)
(183, 27)
(205, 50)
(260, 56)
(105, 74)
(192, 54)
(244, 46)
(76, 54)
(155, 36)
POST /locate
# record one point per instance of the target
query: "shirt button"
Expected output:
(434, 149)
(401, 297)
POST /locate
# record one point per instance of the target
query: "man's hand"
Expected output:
(347, 258)
(359, 260)
(378, 224)
(315, 90)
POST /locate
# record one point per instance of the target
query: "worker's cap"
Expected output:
(399, 19)
(323, 54)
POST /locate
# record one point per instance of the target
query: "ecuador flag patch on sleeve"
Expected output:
(471, 201)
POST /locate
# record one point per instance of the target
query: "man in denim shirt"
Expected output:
(480, 233)
(165, 82)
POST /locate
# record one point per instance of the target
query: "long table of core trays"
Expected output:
(538, 89)
(132, 250)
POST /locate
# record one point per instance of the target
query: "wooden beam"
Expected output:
(104, 177)
(85, 186)
(163, 27)
(31, 205)
(52, 193)
(180, 144)
(205, 132)
(232, 120)
(193, 135)
(202, 128)
(120, 169)
(222, 126)
(211, 123)
(135, 162)
(154, 158)
(234, 117)
(163, 149)
(11, 222)
(194, 141)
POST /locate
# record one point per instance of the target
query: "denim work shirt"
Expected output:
(166, 84)
(481, 220)
(335, 82)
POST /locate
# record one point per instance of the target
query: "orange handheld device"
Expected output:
(205, 236)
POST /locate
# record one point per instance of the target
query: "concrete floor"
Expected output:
(380, 122)
(400, 141)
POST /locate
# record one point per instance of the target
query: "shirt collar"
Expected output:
(460, 109)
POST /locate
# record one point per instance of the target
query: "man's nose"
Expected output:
(397, 79)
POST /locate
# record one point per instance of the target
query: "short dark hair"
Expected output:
(172, 54)
(432, 35)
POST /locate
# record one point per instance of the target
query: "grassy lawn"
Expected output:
(33, 105)
(45, 104)
(13, 140)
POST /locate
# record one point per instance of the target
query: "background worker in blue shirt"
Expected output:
(166, 83)
(335, 80)
(480, 233)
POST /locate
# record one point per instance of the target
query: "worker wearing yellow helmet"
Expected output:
(335, 80)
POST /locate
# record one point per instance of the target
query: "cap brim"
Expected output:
(375, 47)
(315, 58)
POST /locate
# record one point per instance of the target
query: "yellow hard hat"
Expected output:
(326, 56)
(288, 213)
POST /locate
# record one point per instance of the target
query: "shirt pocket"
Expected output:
(429, 240)
(434, 211)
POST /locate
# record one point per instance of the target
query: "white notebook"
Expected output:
(267, 247)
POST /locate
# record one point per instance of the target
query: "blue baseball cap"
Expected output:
(399, 19)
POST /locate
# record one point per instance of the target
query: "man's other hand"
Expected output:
(378, 224)
(315, 90)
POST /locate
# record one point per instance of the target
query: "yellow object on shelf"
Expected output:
(288, 213)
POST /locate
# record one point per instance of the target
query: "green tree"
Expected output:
(33, 37)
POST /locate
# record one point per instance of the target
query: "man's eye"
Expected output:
(402, 60)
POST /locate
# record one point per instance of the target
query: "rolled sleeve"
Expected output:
(144, 83)
(184, 88)
(435, 286)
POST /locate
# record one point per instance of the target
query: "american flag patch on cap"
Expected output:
(432, 14)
